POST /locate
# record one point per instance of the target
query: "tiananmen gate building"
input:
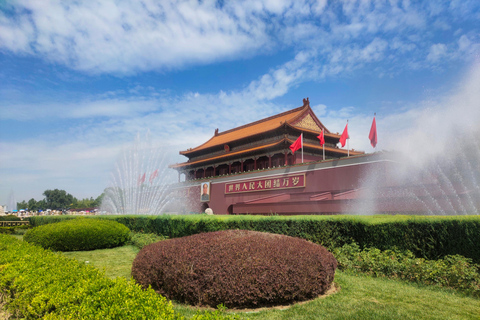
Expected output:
(252, 170)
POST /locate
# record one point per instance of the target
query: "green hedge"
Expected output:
(36, 283)
(79, 234)
(10, 217)
(429, 237)
(14, 230)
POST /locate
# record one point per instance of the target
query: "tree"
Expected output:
(32, 205)
(41, 205)
(22, 205)
(98, 201)
(58, 199)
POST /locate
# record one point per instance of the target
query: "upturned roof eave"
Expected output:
(331, 135)
(227, 155)
(205, 145)
(190, 152)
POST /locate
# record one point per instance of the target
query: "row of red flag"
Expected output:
(343, 138)
(141, 178)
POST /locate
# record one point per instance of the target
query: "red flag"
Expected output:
(141, 179)
(373, 133)
(344, 136)
(153, 175)
(296, 145)
(321, 138)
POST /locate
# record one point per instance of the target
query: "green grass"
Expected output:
(18, 236)
(360, 297)
(363, 297)
(116, 262)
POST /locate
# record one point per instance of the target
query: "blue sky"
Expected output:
(79, 80)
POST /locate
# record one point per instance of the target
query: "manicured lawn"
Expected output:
(116, 262)
(360, 297)
(17, 236)
(364, 297)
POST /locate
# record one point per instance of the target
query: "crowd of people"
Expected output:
(26, 213)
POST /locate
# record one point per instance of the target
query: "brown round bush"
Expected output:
(237, 268)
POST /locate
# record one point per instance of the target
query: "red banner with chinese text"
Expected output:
(265, 184)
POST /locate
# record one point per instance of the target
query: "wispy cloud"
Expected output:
(128, 37)
(125, 37)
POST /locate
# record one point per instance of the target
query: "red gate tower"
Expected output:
(257, 168)
(251, 169)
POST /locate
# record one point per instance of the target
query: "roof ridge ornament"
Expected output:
(306, 103)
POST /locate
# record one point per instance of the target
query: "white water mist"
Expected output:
(140, 182)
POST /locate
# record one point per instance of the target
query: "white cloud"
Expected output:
(112, 107)
(107, 36)
(128, 37)
(374, 51)
(401, 45)
(437, 51)
(318, 6)
(468, 46)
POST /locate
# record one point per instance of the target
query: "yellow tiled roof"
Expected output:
(240, 152)
(250, 129)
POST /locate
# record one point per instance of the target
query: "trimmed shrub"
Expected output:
(39, 284)
(7, 230)
(140, 240)
(237, 268)
(453, 271)
(429, 237)
(14, 230)
(79, 234)
(10, 217)
(36, 221)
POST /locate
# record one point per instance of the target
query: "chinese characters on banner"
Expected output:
(263, 184)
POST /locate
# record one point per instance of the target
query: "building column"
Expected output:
(286, 157)
(229, 168)
(241, 165)
(204, 171)
(255, 163)
(269, 160)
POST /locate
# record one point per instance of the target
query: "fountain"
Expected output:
(437, 167)
(447, 185)
(140, 182)
(12, 203)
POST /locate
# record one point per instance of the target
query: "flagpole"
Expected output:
(302, 146)
(348, 139)
(323, 134)
(375, 148)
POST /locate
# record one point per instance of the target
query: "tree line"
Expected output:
(59, 200)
